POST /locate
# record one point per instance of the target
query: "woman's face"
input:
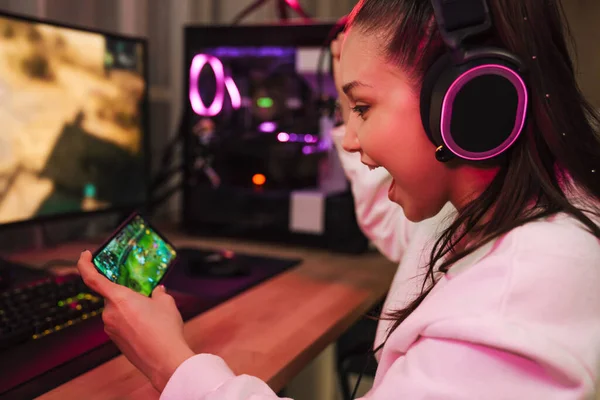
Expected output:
(385, 127)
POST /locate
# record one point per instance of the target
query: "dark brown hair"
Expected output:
(559, 150)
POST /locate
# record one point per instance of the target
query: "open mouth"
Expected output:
(371, 166)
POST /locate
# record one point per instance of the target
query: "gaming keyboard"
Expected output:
(45, 324)
(51, 328)
(44, 307)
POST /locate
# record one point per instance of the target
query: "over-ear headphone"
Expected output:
(474, 100)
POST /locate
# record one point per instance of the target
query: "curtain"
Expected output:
(223, 11)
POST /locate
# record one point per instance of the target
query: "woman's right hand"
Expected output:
(336, 51)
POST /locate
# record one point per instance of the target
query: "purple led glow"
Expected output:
(295, 137)
(310, 139)
(311, 149)
(234, 93)
(458, 84)
(198, 106)
(266, 51)
(267, 127)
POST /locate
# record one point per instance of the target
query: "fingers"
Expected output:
(93, 279)
(160, 294)
(159, 290)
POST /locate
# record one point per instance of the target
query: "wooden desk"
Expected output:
(272, 331)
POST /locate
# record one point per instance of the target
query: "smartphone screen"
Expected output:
(136, 256)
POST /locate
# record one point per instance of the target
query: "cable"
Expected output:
(282, 9)
(165, 175)
(166, 171)
(247, 11)
(369, 353)
(166, 195)
(360, 376)
(177, 139)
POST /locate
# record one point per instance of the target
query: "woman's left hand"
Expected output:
(147, 330)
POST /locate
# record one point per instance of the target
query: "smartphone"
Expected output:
(136, 256)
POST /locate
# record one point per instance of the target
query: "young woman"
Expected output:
(507, 251)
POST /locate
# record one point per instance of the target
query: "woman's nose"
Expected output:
(350, 141)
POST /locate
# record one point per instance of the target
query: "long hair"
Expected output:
(557, 155)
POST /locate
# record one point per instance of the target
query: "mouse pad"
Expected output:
(216, 289)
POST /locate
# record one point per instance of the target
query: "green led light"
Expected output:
(61, 303)
(89, 190)
(265, 102)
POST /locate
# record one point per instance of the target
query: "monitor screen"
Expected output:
(72, 115)
(257, 119)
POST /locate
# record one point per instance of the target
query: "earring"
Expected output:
(442, 154)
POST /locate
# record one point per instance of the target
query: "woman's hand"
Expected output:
(336, 52)
(147, 330)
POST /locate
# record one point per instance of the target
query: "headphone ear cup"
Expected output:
(476, 109)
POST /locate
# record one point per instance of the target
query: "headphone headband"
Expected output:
(474, 99)
(459, 19)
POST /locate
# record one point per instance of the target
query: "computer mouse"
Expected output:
(213, 264)
(222, 263)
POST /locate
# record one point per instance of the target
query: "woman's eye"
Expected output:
(360, 110)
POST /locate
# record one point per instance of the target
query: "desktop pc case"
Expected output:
(259, 162)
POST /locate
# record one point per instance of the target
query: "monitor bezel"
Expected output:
(146, 146)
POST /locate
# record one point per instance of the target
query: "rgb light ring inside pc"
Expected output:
(73, 106)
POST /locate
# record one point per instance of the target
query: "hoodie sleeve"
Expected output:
(207, 377)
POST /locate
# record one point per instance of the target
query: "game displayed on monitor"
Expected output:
(257, 116)
(72, 114)
(136, 257)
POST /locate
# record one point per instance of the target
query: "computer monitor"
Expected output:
(73, 112)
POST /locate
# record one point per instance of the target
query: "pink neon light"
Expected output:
(283, 137)
(198, 106)
(267, 126)
(458, 84)
(234, 93)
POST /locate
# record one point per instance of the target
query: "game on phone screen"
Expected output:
(137, 257)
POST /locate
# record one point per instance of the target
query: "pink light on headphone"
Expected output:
(458, 84)
(223, 83)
